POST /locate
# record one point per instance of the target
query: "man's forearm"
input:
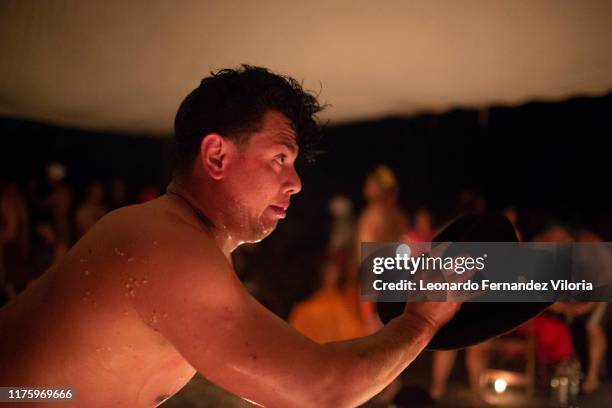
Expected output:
(364, 366)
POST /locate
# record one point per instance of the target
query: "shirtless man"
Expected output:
(148, 296)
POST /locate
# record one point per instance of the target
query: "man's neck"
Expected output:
(205, 211)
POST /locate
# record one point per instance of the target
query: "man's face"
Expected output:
(260, 180)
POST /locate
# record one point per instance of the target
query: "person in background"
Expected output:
(334, 311)
(341, 241)
(591, 315)
(554, 342)
(117, 193)
(59, 205)
(34, 197)
(14, 239)
(513, 215)
(476, 360)
(342, 236)
(422, 230)
(382, 220)
(91, 209)
(45, 248)
(554, 233)
(329, 314)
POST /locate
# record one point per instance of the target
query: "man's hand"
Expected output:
(434, 314)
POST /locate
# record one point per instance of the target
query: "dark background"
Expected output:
(548, 156)
(549, 160)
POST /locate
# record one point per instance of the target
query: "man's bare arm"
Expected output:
(205, 311)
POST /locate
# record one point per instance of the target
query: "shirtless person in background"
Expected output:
(382, 220)
(148, 296)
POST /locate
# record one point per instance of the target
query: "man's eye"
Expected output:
(281, 158)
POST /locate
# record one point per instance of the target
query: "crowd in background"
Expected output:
(335, 313)
(42, 219)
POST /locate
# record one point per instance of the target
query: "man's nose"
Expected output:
(293, 184)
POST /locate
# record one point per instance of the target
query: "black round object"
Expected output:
(475, 322)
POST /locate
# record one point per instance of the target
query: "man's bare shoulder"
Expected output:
(152, 239)
(168, 236)
(159, 213)
(154, 219)
(165, 258)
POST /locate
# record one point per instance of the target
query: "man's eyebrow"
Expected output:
(288, 142)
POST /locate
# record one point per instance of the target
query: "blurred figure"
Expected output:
(382, 220)
(591, 315)
(117, 193)
(34, 197)
(91, 209)
(554, 233)
(342, 234)
(476, 361)
(554, 343)
(596, 347)
(594, 315)
(332, 313)
(422, 230)
(14, 229)
(59, 204)
(342, 239)
(329, 315)
(512, 214)
(45, 249)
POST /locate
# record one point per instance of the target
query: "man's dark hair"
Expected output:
(232, 102)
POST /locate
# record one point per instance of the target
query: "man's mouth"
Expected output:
(280, 211)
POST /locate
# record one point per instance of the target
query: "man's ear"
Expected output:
(214, 152)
